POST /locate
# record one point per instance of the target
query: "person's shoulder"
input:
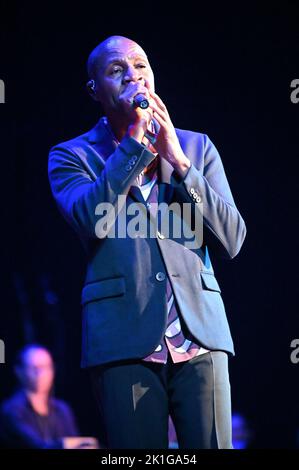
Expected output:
(74, 142)
(93, 135)
(194, 142)
(188, 134)
(13, 403)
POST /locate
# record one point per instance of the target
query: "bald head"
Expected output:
(109, 45)
(114, 65)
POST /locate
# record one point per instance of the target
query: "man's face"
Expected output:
(121, 62)
(37, 371)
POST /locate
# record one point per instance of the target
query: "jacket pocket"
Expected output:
(101, 289)
(209, 282)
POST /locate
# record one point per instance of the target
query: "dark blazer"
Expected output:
(123, 298)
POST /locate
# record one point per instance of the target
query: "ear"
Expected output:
(91, 89)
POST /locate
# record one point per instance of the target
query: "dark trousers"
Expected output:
(135, 398)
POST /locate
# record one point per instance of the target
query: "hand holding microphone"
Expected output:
(135, 101)
(141, 101)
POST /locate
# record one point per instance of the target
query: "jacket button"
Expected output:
(128, 167)
(160, 276)
(192, 190)
(134, 158)
(198, 199)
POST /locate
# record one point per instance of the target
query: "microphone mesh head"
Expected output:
(141, 101)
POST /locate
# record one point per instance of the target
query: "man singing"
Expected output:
(155, 334)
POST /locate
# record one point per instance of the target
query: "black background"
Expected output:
(221, 69)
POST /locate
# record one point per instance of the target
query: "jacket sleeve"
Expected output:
(77, 194)
(224, 229)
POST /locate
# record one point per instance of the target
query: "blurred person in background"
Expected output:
(242, 434)
(32, 417)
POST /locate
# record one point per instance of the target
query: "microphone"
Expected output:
(141, 101)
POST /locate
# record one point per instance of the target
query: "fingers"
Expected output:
(163, 123)
(159, 102)
(157, 110)
(144, 114)
(161, 116)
